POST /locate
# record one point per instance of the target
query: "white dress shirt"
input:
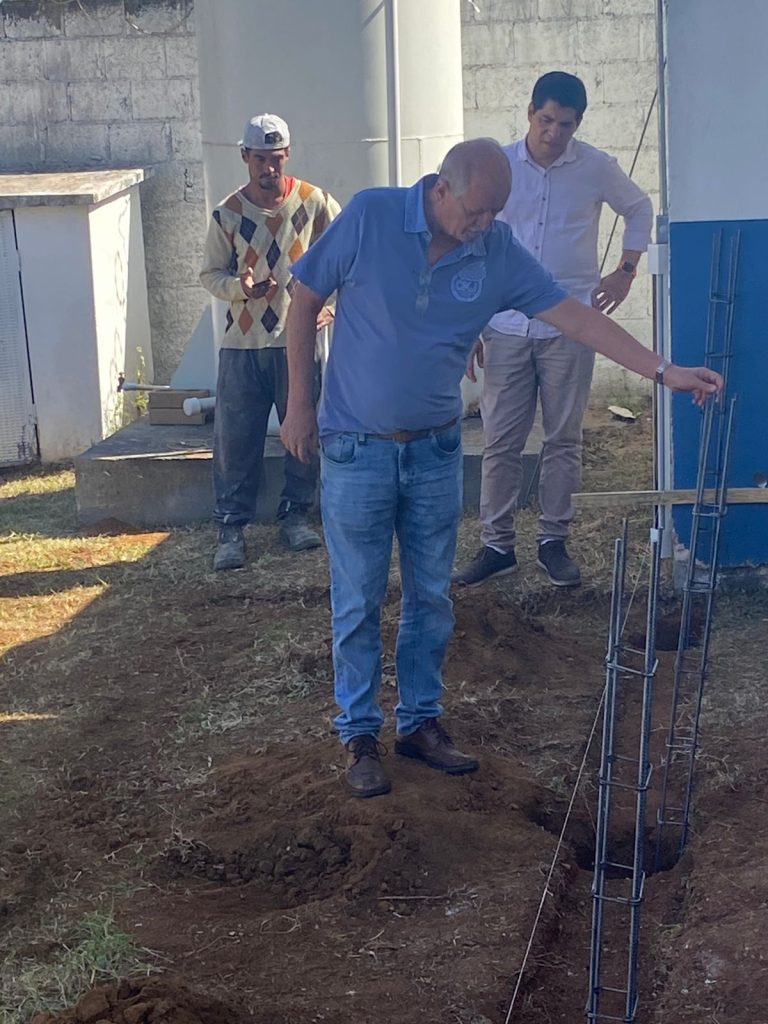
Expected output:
(555, 213)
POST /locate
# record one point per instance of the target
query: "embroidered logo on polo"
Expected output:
(467, 283)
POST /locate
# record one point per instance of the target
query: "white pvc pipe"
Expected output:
(192, 406)
(395, 130)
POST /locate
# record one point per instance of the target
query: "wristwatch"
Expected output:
(659, 375)
(629, 268)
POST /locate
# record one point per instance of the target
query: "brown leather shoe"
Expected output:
(365, 776)
(431, 743)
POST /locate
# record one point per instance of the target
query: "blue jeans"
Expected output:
(370, 490)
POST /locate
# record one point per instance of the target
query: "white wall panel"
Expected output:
(717, 76)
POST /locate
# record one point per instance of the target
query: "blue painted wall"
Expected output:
(745, 538)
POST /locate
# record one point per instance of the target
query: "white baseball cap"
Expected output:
(266, 131)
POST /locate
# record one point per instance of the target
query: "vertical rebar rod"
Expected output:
(706, 631)
(714, 453)
(606, 770)
(613, 756)
(650, 665)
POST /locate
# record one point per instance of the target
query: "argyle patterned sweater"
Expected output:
(242, 235)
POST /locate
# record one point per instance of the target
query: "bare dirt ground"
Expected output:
(172, 811)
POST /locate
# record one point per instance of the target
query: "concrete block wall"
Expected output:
(113, 83)
(611, 46)
(99, 83)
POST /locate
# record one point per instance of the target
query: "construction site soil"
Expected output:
(175, 763)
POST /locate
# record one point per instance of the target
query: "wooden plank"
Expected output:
(174, 417)
(621, 499)
(173, 398)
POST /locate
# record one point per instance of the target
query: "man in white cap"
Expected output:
(255, 236)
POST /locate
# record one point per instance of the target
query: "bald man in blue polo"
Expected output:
(419, 272)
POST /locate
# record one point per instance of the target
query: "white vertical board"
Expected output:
(717, 131)
(18, 436)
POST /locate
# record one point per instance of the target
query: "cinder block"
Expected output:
(181, 56)
(469, 92)
(648, 42)
(499, 125)
(622, 8)
(164, 99)
(614, 38)
(20, 60)
(647, 169)
(95, 18)
(611, 382)
(551, 43)
(102, 101)
(175, 310)
(71, 60)
(144, 142)
(22, 147)
(32, 19)
(504, 88)
(186, 141)
(134, 59)
(482, 45)
(618, 127)
(569, 10)
(194, 184)
(27, 102)
(629, 81)
(499, 11)
(76, 145)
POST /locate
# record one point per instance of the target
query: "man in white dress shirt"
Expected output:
(559, 185)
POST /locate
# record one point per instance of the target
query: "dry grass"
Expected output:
(93, 952)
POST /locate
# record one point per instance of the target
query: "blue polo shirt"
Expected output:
(403, 329)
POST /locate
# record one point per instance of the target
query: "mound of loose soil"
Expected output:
(142, 1001)
(423, 897)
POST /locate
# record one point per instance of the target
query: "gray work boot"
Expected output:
(297, 533)
(230, 552)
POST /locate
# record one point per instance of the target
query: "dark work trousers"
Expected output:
(250, 382)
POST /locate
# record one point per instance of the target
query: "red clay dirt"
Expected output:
(143, 1001)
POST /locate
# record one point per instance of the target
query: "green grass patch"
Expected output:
(98, 952)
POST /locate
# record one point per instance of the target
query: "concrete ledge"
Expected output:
(150, 476)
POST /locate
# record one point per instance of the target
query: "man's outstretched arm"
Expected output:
(591, 328)
(299, 430)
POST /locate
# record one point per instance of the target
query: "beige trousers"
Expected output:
(518, 371)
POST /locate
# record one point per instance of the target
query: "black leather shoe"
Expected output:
(486, 564)
(365, 775)
(559, 566)
(432, 744)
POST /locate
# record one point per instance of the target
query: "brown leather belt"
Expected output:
(403, 436)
